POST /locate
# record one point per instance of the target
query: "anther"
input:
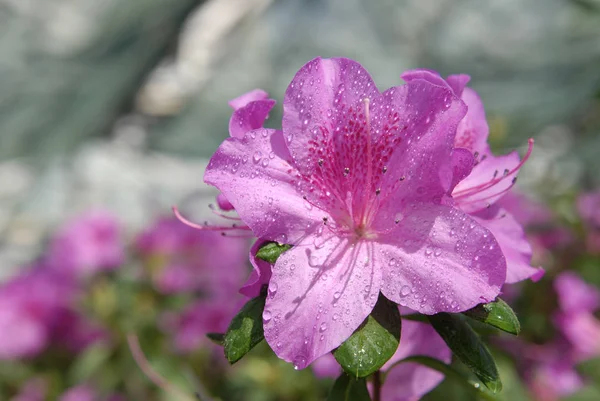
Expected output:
(506, 171)
(346, 171)
(476, 155)
(384, 170)
(495, 173)
(325, 220)
(402, 178)
(514, 180)
(377, 191)
(321, 161)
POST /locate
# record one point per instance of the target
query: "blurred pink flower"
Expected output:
(183, 259)
(189, 328)
(350, 165)
(588, 206)
(79, 393)
(29, 305)
(575, 318)
(87, 244)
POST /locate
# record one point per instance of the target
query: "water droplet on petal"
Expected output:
(323, 326)
(405, 290)
(266, 316)
(257, 156)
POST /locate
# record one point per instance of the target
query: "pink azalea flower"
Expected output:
(87, 244)
(357, 182)
(575, 319)
(184, 259)
(491, 177)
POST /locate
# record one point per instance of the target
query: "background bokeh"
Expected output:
(119, 104)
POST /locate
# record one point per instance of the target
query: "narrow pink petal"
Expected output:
(473, 130)
(487, 183)
(251, 116)
(255, 175)
(511, 238)
(410, 381)
(252, 96)
(458, 83)
(582, 330)
(430, 76)
(260, 275)
(440, 260)
(318, 296)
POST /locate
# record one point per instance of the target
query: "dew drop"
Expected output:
(323, 327)
(266, 316)
(393, 262)
(405, 290)
(257, 156)
(337, 295)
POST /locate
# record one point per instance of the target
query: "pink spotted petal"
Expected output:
(252, 96)
(575, 295)
(487, 183)
(251, 116)
(410, 381)
(260, 275)
(255, 175)
(440, 260)
(318, 297)
(515, 246)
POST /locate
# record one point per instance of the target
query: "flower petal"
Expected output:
(511, 238)
(488, 182)
(318, 297)
(409, 381)
(255, 175)
(251, 116)
(252, 96)
(326, 367)
(473, 130)
(433, 77)
(458, 83)
(440, 260)
(260, 275)
(462, 165)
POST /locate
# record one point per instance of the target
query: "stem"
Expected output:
(377, 386)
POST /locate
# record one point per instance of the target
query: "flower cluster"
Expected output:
(392, 192)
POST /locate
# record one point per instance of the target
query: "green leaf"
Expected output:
(217, 338)
(450, 373)
(373, 343)
(270, 251)
(590, 369)
(89, 363)
(347, 388)
(468, 347)
(497, 314)
(245, 330)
